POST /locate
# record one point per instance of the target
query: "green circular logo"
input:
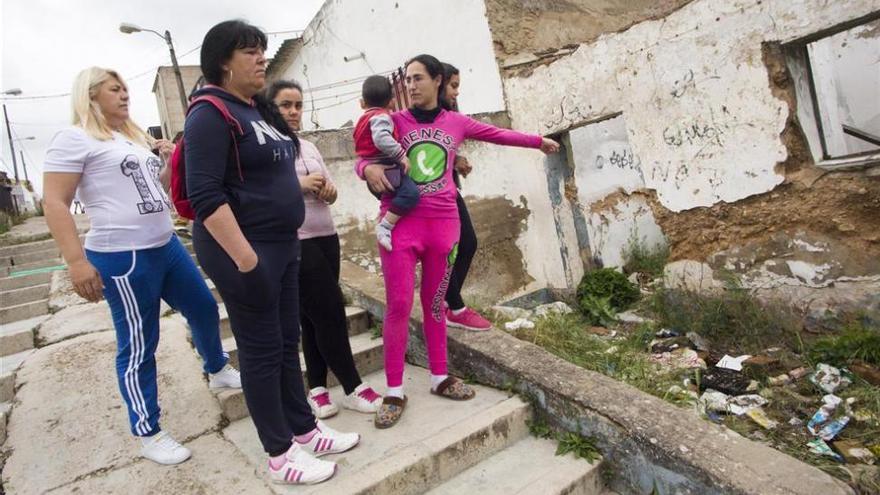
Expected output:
(427, 162)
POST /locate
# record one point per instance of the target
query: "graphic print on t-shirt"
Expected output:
(427, 162)
(131, 167)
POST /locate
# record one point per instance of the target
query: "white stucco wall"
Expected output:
(388, 32)
(693, 89)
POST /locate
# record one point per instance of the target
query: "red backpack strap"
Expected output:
(234, 125)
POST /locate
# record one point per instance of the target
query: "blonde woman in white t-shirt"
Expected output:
(131, 257)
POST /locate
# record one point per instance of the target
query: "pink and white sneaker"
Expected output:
(467, 319)
(319, 400)
(363, 399)
(329, 441)
(301, 468)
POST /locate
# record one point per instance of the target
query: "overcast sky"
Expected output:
(45, 43)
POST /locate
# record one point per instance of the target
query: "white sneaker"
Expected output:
(329, 441)
(228, 377)
(319, 400)
(302, 468)
(383, 234)
(163, 449)
(363, 399)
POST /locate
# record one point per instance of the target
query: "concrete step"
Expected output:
(367, 353)
(24, 295)
(23, 312)
(35, 265)
(528, 466)
(8, 366)
(17, 282)
(18, 336)
(30, 257)
(28, 247)
(435, 440)
(357, 318)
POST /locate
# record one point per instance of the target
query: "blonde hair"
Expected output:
(87, 113)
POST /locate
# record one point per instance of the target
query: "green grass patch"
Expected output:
(641, 258)
(855, 343)
(604, 292)
(732, 320)
(567, 442)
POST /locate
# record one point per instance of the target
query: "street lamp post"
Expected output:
(11, 92)
(129, 28)
(21, 152)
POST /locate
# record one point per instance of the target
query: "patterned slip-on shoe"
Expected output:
(389, 412)
(455, 389)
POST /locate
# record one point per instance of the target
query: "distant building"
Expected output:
(168, 97)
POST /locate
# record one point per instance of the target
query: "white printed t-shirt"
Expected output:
(119, 189)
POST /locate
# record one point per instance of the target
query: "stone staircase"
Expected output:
(53, 398)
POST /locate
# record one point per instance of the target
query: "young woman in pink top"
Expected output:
(430, 232)
(322, 308)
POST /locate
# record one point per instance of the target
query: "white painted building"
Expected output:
(703, 124)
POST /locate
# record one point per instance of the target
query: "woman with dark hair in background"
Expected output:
(322, 307)
(242, 185)
(429, 233)
(457, 314)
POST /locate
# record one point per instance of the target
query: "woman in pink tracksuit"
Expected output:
(430, 232)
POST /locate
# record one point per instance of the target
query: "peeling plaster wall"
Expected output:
(388, 32)
(693, 89)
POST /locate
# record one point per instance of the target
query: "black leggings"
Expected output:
(324, 332)
(263, 307)
(467, 248)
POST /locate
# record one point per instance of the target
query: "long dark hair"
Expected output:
(449, 70)
(434, 68)
(279, 86)
(217, 48)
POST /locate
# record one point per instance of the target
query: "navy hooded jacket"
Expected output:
(268, 202)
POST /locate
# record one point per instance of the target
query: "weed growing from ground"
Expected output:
(602, 293)
(642, 258)
(582, 447)
(855, 342)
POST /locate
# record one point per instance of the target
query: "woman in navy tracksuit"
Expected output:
(244, 190)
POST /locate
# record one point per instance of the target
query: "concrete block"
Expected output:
(529, 466)
(435, 438)
(15, 339)
(69, 397)
(24, 295)
(74, 321)
(11, 283)
(23, 311)
(61, 293)
(8, 367)
(215, 467)
(358, 320)
(10, 270)
(28, 247)
(232, 404)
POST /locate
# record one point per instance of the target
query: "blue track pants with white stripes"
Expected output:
(134, 283)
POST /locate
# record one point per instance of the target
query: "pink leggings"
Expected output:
(434, 242)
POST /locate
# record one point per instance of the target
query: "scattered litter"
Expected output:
(818, 446)
(744, 403)
(600, 331)
(611, 350)
(824, 413)
(631, 317)
(732, 363)
(854, 452)
(796, 422)
(714, 417)
(679, 358)
(753, 386)
(776, 381)
(759, 416)
(519, 323)
(833, 428)
(762, 361)
(798, 373)
(668, 344)
(558, 308)
(829, 378)
(714, 401)
(699, 342)
(867, 372)
(863, 416)
(666, 333)
(724, 380)
(510, 312)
